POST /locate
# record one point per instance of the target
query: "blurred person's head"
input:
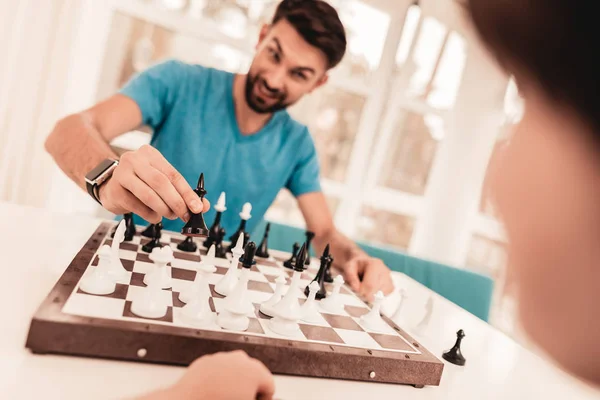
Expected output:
(303, 41)
(547, 181)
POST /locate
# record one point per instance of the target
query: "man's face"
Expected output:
(284, 69)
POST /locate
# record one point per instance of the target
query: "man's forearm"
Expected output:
(77, 147)
(342, 248)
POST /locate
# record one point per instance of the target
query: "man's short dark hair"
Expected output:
(551, 43)
(318, 23)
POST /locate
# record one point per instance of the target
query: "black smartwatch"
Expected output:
(99, 175)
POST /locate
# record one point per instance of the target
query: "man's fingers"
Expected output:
(351, 274)
(132, 204)
(370, 282)
(265, 382)
(165, 189)
(145, 193)
(177, 180)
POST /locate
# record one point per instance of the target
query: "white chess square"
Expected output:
(94, 306)
(180, 285)
(351, 300)
(357, 339)
(136, 292)
(267, 270)
(385, 328)
(143, 267)
(256, 276)
(185, 264)
(127, 254)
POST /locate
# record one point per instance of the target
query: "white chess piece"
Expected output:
(237, 306)
(117, 270)
(372, 320)
(220, 206)
(151, 304)
(310, 309)
(421, 327)
(246, 211)
(287, 310)
(197, 311)
(205, 268)
(226, 285)
(397, 317)
(98, 281)
(267, 307)
(333, 303)
(162, 273)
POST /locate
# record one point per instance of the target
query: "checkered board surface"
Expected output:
(343, 329)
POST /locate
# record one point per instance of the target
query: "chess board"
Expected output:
(72, 322)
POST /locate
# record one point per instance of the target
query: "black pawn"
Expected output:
(220, 251)
(246, 243)
(454, 355)
(150, 230)
(187, 245)
(247, 259)
(263, 248)
(196, 225)
(155, 242)
(213, 233)
(292, 261)
(309, 237)
(326, 260)
(328, 278)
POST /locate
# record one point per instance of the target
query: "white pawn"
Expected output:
(197, 311)
(162, 273)
(117, 270)
(267, 307)
(372, 320)
(151, 304)
(310, 309)
(237, 306)
(397, 317)
(333, 303)
(226, 285)
(98, 281)
(205, 268)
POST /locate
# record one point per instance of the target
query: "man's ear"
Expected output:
(320, 82)
(264, 31)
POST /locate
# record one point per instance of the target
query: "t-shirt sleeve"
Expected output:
(155, 90)
(305, 176)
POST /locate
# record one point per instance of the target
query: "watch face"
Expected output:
(96, 172)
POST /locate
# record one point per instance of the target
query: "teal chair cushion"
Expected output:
(469, 290)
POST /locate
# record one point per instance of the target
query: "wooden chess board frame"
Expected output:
(52, 331)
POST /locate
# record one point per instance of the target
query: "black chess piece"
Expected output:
(213, 232)
(247, 259)
(301, 258)
(454, 355)
(155, 242)
(240, 231)
(309, 237)
(150, 229)
(326, 259)
(292, 261)
(196, 226)
(246, 242)
(188, 245)
(220, 251)
(129, 228)
(263, 248)
(327, 275)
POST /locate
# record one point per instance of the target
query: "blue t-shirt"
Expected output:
(191, 110)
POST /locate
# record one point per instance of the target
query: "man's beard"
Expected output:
(256, 104)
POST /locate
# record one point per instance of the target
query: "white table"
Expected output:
(37, 245)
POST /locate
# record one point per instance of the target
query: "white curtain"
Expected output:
(37, 39)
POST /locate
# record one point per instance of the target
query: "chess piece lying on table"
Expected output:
(454, 355)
